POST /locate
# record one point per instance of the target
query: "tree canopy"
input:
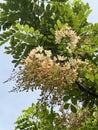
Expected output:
(39, 117)
(55, 49)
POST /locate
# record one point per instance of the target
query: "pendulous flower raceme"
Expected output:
(51, 74)
(68, 37)
(43, 71)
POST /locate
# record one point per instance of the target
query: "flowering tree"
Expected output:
(55, 48)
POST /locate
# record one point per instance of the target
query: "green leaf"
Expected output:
(26, 28)
(50, 36)
(7, 52)
(52, 30)
(4, 41)
(59, 24)
(66, 106)
(91, 78)
(75, 92)
(19, 26)
(87, 75)
(73, 109)
(40, 36)
(14, 61)
(37, 32)
(31, 30)
(74, 101)
(96, 76)
(56, 27)
(86, 15)
(66, 98)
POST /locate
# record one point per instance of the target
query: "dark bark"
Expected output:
(86, 90)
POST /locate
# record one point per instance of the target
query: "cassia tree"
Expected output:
(55, 48)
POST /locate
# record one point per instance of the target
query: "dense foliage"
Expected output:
(55, 49)
(39, 117)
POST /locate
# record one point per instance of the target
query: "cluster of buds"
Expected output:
(68, 37)
(45, 72)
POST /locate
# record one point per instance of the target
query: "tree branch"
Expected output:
(86, 90)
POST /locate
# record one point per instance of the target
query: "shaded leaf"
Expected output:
(73, 109)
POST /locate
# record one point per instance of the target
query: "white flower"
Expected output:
(79, 62)
(39, 49)
(54, 58)
(44, 64)
(32, 53)
(67, 66)
(28, 60)
(48, 53)
(51, 63)
(61, 58)
(69, 49)
(66, 32)
(40, 56)
(58, 36)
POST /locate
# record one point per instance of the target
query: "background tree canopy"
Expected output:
(39, 117)
(55, 49)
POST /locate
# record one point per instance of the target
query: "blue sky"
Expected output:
(13, 103)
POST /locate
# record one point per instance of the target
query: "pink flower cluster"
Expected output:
(53, 75)
(68, 37)
(47, 73)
